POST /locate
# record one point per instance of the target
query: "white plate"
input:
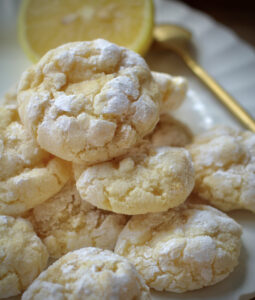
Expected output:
(226, 58)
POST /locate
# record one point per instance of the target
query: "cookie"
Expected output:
(183, 249)
(173, 90)
(170, 132)
(224, 161)
(67, 223)
(10, 97)
(22, 256)
(89, 273)
(145, 180)
(29, 175)
(88, 102)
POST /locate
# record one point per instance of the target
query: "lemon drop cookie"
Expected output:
(88, 102)
(183, 249)
(29, 175)
(89, 273)
(170, 132)
(224, 161)
(173, 90)
(22, 255)
(10, 97)
(66, 223)
(145, 180)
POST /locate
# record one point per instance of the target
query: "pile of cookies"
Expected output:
(92, 163)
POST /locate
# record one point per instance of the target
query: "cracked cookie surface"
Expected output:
(29, 175)
(10, 97)
(173, 90)
(89, 273)
(183, 249)
(22, 256)
(224, 161)
(66, 223)
(145, 180)
(170, 132)
(89, 101)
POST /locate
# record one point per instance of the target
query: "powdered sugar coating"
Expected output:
(173, 90)
(170, 132)
(66, 223)
(224, 161)
(89, 273)
(89, 101)
(28, 174)
(22, 256)
(183, 249)
(145, 180)
(10, 97)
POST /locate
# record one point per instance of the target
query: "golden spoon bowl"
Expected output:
(177, 39)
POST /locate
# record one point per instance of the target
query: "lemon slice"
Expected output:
(46, 24)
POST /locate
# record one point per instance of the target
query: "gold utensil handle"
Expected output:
(221, 94)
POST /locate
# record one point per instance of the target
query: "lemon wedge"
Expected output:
(46, 24)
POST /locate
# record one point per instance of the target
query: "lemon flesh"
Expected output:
(46, 24)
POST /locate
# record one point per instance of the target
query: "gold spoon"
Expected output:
(177, 39)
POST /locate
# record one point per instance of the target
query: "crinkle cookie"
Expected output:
(224, 161)
(67, 223)
(89, 101)
(10, 97)
(145, 180)
(183, 249)
(22, 256)
(170, 132)
(173, 90)
(90, 274)
(28, 174)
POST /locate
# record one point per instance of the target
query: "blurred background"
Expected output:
(238, 15)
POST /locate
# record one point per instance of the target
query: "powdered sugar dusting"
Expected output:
(172, 89)
(27, 175)
(224, 160)
(101, 132)
(4, 220)
(125, 85)
(147, 180)
(117, 103)
(182, 249)
(90, 268)
(96, 78)
(23, 255)
(64, 102)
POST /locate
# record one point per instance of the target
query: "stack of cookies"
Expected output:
(91, 162)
